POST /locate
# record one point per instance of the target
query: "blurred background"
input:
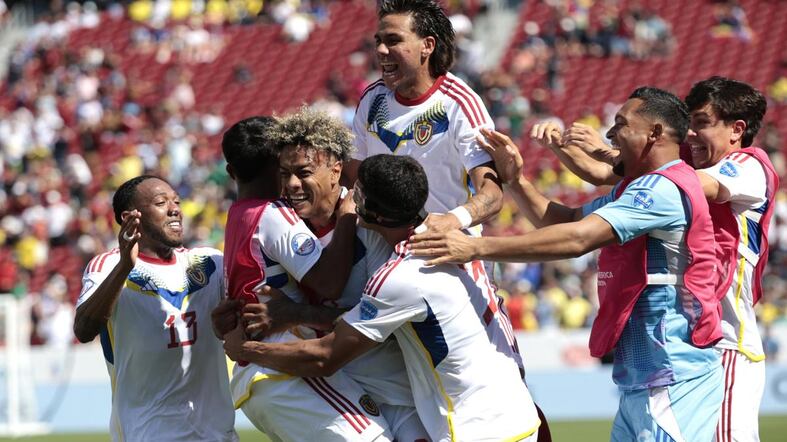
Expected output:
(93, 93)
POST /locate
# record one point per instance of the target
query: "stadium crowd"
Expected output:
(73, 126)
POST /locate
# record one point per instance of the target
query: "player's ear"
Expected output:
(428, 46)
(231, 172)
(656, 132)
(738, 129)
(124, 214)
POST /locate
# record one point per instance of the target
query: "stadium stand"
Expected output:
(94, 97)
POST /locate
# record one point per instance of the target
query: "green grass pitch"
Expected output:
(772, 429)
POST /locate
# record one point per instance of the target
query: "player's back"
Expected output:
(457, 374)
(247, 266)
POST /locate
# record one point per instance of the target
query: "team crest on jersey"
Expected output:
(643, 199)
(369, 405)
(423, 132)
(368, 310)
(729, 169)
(197, 276)
(303, 244)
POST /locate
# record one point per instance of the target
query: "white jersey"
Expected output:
(438, 129)
(380, 371)
(167, 369)
(266, 243)
(464, 389)
(744, 178)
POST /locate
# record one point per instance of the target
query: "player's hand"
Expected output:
(441, 222)
(234, 343)
(347, 206)
(547, 134)
(453, 246)
(504, 152)
(263, 319)
(590, 141)
(225, 316)
(128, 238)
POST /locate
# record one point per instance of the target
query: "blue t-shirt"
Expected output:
(655, 347)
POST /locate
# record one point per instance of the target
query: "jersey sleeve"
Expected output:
(600, 202)
(395, 304)
(286, 239)
(649, 203)
(743, 177)
(95, 273)
(467, 124)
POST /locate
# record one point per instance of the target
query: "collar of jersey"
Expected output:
(418, 100)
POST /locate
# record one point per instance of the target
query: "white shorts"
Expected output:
(315, 409)
(744, 383)
(405, 423)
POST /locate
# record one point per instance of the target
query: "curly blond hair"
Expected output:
(313, 129)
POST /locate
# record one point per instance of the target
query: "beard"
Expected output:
(156, 234)
(618, 169)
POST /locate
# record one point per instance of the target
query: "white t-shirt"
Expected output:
(380, 371)
(168, 370)
(438, 129)
(744, 177)
(464, 389)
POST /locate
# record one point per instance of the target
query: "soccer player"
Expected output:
(267, 243)
(420, 109)
(740, 184)
(313, 147)
(464, 389)
(659, 310)
(150, 300)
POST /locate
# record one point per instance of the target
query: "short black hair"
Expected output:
(731, 100)
(429, 20)
(665, 106)
(123, 198)
(395, 186)
(248, 149)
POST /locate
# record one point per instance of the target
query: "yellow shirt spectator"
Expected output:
(140, 10)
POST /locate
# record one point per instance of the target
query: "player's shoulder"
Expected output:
(376, 88)
(739, 163)
(462, 101)
(280, 212)
(394, 275)
(103, 262)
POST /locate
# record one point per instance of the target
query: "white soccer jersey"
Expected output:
(267, 243)
(380, 371)
(744, 178)
(168, 371)
(438, 129)
(464, 389)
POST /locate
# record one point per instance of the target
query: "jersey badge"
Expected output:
(368, 310)
(303, 244)
(197, 276)
(423, 132)
(729, 169)
(643, 199)
(369, 405)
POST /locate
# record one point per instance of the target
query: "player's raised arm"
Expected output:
(538, 209)
(92, 314)
(329, 275)
(580, 149)
(560, 241)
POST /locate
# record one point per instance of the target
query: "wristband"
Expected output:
(462, 215)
